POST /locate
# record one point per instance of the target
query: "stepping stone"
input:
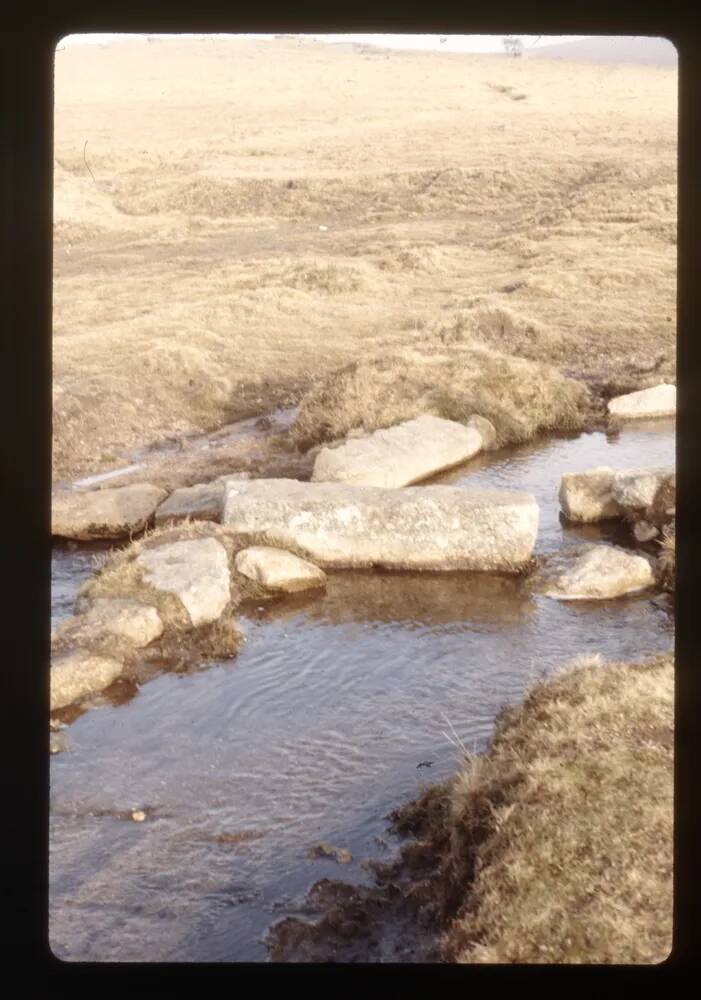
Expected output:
(113, 513)
(602, 493)
(203, 502)
(278, 570)
(136, 621)
(658, 401)
(420, 527)
(635, 489)
(81, 673)
(196, 571)
(400, 455)
(601, 573)
(586, 497)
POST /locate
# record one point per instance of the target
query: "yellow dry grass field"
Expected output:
(258, 213)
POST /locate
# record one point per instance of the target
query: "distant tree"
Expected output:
(513, 46)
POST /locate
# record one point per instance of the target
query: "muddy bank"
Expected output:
(555, 846)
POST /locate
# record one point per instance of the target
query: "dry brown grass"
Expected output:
(556, 846)
(193, 284)
(522, 398)
(667, 561)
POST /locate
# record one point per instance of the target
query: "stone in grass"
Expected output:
(601, 573)
(601, 493)
(400, 455)
(277, 569)
(136, 621)
(80, 673)
(113, 513)
(195, 570)
(657, 401)
(324, 850)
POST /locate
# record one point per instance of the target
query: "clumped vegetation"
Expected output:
(556, 846)
(667, 559)
(522, 398)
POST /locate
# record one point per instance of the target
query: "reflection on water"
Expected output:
(312, 733)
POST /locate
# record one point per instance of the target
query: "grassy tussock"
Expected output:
(522, 398)
(556, 846)
(180, 644)
(667, 559)
(121, 576)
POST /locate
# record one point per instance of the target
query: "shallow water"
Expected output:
(314, 732)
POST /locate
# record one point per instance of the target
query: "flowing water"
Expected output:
(312, 733)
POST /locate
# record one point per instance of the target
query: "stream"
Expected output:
(313, 732)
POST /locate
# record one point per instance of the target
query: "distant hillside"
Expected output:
(611, 48)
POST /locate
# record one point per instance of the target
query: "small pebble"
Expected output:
(338, 854)
(138, 815)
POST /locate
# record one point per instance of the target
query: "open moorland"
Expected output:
(235, 219)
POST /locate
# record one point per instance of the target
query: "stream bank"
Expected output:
(238, 779)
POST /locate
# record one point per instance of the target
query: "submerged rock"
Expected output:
(603, 572)
(278, 570)
(324, 850)
(658, 401)
(113, 513)
(399, 455)
(195, 570)
(424, 527)
(203, 502)
(81, 673)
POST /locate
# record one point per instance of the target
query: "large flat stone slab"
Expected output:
(278, 570)
(601, 573)
(80, 673)
(113, 513)
(195, 570)
(657, 401)
(400, 455)
(336, 525)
